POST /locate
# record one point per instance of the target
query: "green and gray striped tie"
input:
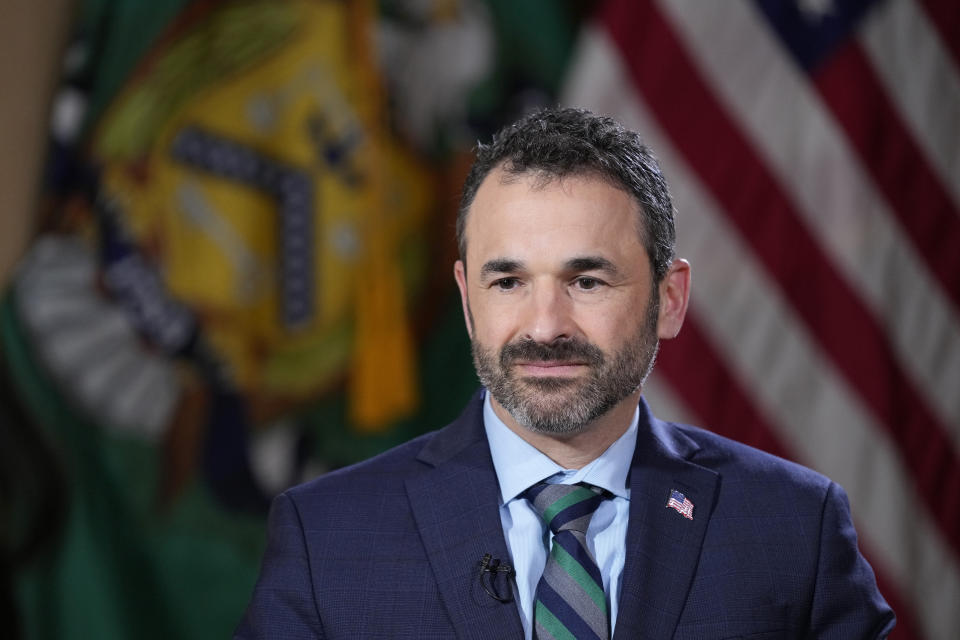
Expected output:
(570, 602)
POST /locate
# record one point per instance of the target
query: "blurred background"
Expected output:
(226, 239)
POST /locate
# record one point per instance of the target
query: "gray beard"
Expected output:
(567, 406)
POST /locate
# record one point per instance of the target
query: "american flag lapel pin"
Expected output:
(681, 504)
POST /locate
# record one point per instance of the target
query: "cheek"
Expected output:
(605, 334)
(492, 326)
(610, 327)
(491, 331)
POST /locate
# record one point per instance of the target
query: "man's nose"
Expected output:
(549, 314)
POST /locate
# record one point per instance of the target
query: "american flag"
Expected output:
(681, 504)
(813, 151)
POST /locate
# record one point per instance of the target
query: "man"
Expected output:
(557, 506)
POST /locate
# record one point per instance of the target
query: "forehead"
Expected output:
(523, 215)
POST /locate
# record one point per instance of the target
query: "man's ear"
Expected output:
(674, 296)
(460, 275)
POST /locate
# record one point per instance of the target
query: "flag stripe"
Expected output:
(659, 392)
(848, 332)
(946, 19)
(712, 389)
(907, 627)
(908, 56)
(804, 148)
(900, 170)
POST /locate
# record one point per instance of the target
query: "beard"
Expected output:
(567, 405)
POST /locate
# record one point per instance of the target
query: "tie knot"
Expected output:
(564, 507)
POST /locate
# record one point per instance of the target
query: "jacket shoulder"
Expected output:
(738, 461)
(386, 469)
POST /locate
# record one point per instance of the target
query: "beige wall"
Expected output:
(31, 40)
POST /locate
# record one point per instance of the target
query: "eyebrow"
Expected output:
(582, 263)
(500, 265)
(592, 263)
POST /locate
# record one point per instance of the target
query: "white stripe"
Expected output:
(921, 80)
(664, 402)
(812, 409)
(806, 150)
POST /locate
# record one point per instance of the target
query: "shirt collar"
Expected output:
(520, 465)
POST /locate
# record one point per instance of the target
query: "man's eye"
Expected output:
(586, 283)
(506, 284)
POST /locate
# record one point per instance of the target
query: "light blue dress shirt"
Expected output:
(520, 465)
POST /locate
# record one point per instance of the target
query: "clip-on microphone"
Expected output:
(493, 566)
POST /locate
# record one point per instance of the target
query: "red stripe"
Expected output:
(756, 204)
(901, 171)
(945, 17)
(696, 373)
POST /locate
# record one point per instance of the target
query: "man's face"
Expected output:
(559, 300)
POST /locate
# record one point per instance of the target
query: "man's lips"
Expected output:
(551, 368)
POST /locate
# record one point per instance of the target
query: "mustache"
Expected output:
(567, 350)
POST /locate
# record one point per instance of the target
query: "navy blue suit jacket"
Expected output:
(389, 548)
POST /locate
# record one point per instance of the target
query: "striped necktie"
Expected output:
(570, 602)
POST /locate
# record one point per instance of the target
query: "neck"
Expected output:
(576, 450)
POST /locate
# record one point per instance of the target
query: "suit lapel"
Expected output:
(663, 547)
(455, 503)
